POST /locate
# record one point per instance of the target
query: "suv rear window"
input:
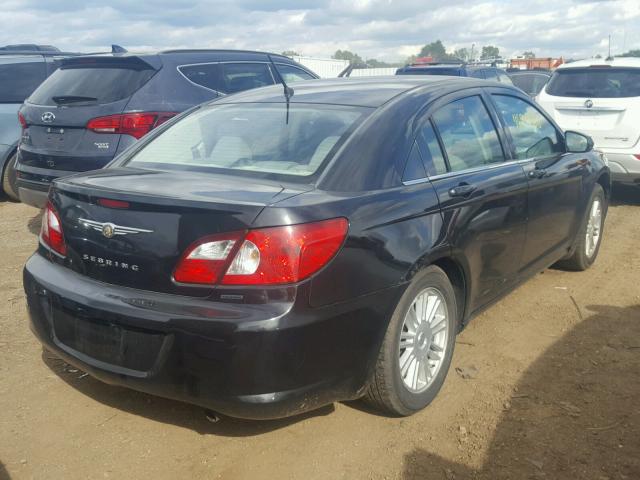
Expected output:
(18, 80)
(595, 82)
(89, 85)
(252, 139)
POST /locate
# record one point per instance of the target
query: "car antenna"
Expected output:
(288, 91)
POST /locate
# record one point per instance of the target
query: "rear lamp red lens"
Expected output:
(51, 232)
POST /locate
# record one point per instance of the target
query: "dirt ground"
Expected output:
(555, 396)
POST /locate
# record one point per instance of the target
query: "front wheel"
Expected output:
(418, 346)
(9, 178)
(590, 234)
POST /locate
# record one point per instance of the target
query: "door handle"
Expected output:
(537, 173)
(462, 190)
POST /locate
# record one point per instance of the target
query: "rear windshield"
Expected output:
(431, 71)
(89, 85)
(594, 82)
(19, 79)
(253, 139)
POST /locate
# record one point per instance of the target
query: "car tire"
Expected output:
(9, 178)
(587, 245)
(395, 387)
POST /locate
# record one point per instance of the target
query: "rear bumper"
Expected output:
(33, 193)
(251, 361)
(625, 168)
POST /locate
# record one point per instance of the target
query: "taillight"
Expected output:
(266, 256)
(637, 156)
(21, 119)
(135, 124)
(51, 233)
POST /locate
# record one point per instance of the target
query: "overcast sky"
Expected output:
(383, 29)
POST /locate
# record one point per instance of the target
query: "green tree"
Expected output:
(434, 49)
(354, 59)
(291, 53)
(631, 53)
(462, 54)
(489, 51)
(529, 54)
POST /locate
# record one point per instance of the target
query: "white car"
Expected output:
(601, 99)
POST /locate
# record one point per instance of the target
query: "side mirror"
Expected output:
(578, 142)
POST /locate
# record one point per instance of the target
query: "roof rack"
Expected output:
(204, 50)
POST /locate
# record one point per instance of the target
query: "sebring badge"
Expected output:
(48, 117)
(110, 230)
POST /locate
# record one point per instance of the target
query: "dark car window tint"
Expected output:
(293, 74)
(491, 74)
(455, 72)
(106, 85)
(468, 135)
(477, 74)
(605, 82)
(19, 80)
(431, 152)
(237, 77)
(414, 169)
(530, 83)
(533, 135)
(207, 75)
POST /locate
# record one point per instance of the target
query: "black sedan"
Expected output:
(267, 254)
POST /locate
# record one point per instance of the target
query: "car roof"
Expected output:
(599, 62)
(355, 91)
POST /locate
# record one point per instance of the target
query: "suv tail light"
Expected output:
(266, 256)
(21, 119)
(51, 233)
(135, 124)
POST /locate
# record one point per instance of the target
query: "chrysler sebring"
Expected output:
(266, 254)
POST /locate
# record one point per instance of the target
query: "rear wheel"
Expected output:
(418, 346)
(9, 178)
(590, 234)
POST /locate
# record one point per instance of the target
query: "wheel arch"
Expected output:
(604, 180)
(457, 274)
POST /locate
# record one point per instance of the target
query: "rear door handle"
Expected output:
(462, 190)
(537, 173)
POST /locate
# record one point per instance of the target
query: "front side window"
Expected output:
(252, 139)
(293, 74)
(468, 134)
(533, 135)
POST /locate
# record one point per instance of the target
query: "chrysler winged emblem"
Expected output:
(48, 117)
(588, 103)
(110, 230)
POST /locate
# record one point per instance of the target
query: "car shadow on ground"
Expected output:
(3, 473)
(574, 414)
(625, 195)
(35, 223)
(166, 410)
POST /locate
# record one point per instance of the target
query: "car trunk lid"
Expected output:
(138, 243)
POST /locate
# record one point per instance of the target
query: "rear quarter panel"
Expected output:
(9, 130)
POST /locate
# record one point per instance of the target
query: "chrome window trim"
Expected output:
(469, 170)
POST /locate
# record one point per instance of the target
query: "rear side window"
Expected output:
(293, 74)
(414, 169)
(431, 152)
(19, 80)
(228, 77)
(468, 134)
(594, 82)
(530, 83)
(89, 85)
(533, 135)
